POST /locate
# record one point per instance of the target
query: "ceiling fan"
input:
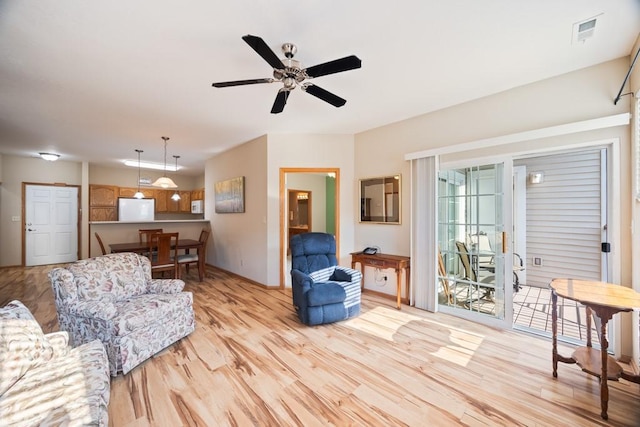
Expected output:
(290, 72)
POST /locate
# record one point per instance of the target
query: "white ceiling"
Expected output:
(93, 81)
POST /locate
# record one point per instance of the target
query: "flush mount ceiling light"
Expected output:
(49, 156)
(149, 165)
(139, 194)
(165, 181)
(176, 196)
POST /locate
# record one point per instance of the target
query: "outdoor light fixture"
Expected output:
(536, 177)
(176, 196)
(139, 194)
(50, 157)
(165, 181)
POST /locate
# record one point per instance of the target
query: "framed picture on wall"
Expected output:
(229, 195)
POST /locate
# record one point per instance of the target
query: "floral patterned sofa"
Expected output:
(45, 382)
(114, 299)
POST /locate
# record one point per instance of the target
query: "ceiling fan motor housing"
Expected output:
(291, 74)
(289, 50)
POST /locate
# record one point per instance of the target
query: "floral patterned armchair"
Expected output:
(45, 382)
(114, 299)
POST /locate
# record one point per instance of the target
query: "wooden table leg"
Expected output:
(362, 268)
(398, 289)
(604, 316)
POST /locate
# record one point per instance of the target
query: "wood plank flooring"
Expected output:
(250, 362)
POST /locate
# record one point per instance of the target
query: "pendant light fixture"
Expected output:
(165, 181)
(176, 196)
(139, 194)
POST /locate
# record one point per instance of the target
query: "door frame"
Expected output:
(24, 215)
(283, 214)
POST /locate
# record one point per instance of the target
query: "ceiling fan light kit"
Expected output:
(290, 73)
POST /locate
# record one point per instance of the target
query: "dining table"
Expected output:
(143, 247)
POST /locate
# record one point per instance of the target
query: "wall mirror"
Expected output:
(380, 200)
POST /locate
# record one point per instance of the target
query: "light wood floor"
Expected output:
(251, 363)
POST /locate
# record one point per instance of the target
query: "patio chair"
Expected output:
(471, 274)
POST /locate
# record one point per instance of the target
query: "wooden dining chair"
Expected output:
(163, 253)
(104, 252)
(144, 234)
(187, 259)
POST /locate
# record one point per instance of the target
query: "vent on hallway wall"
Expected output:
(584, 30)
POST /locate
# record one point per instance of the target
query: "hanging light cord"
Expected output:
(139, 151)
(176, 196)
(165, 138)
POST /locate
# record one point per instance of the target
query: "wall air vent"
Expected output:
(584, 30)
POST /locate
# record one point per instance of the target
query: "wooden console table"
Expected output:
(605, 300)
(397, 262)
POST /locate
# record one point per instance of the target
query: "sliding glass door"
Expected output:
(474, 213)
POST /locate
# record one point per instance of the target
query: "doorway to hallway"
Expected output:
(324, 184)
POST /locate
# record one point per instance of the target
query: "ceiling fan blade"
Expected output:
(242, 82)
(280, 102)
(336, 66)
(325, 95)
(264, 51)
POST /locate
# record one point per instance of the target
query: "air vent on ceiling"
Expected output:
(584, 30)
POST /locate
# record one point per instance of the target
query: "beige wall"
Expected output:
(248, 244)
(581, 95)
(240, 239)
(634, 79)
(128, 177)
(634, 86)
(317, 185)
(311, 151)
(17, 170)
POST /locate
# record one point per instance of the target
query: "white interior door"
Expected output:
(51, 224)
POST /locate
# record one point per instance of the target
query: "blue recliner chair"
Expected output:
(323, 292)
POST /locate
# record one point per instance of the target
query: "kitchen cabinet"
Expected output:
(103, 202)
(180, 206)
(197, 194)
(162, 204)
(149, 193)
